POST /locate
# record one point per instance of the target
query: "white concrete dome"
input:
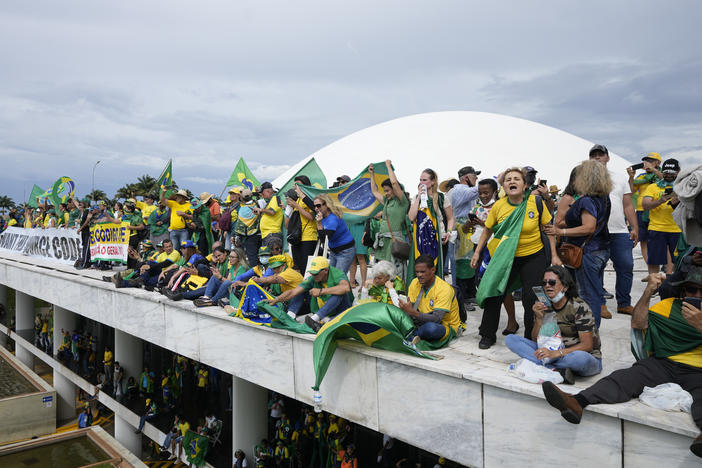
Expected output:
(447, 141)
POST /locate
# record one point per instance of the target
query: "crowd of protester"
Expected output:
(440, 254)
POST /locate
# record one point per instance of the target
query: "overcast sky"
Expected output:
(132, 84)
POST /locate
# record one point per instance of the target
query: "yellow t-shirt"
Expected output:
(661, 217)
(530, 237)
(108, 358)
(146, 210)
(12, 222)
(177, 221)
(183, 427)
(439, 296)
(173, 256)
(202, 378)
(309, 226)
(292, 278)
(640, 189)
(271, 223)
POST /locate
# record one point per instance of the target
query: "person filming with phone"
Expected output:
(581, 354)
(672, 330)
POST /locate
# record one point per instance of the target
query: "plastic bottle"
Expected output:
(317, 398)
(423, 200)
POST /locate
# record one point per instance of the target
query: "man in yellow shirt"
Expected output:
(432, 303)
(179, 205)
(283, 279)
(146, 207)
(107, 361)
(271, 212)
(663, 233)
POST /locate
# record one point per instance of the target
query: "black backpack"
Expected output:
(294, 229)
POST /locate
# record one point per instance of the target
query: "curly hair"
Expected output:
(592, 179)
(565, 278)
(384, 267)
(331, 204)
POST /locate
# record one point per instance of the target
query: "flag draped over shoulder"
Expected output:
(669, 333)
(425, 240)
(312, 170)
(37, 192)
(376, 324)
(195, 446)
(355, 197)
(243, 176)
(494, 281)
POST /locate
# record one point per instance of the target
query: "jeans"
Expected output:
(217, 289)
(335, 305)
(178, 236)
(251, 244)
(589, 277)
(143, 419)
(194, 294)
(450, 262)
(343, 259)
(621, 254)
(150, 276)
(580, 362)
(431, 331)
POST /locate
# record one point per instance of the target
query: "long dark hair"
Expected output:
(565, 278)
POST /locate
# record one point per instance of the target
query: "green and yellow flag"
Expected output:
(312, 170)
(242, 176)
(37, 192)
(375, 324)
(195, 446)
(355, 197)
(494, 281)
(165, 180)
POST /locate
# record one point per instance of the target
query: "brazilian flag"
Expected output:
(375, 324)
(195, 446)
(669, 333)
(37, 192)
(355, 197)
(312, 170)
(242, 176)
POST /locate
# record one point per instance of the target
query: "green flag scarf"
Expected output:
(242, 176)
(206, 219)
(313, 172)
(37, 192)
(375, 324)
(494, 281)
(668, 332)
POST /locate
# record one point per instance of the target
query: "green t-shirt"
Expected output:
(73, 216)
(335, 277)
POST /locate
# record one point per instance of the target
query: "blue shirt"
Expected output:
(599, 208)
(463, 199)
(337, 230)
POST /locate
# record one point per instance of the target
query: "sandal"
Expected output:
(506, 331)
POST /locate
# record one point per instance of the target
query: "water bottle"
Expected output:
(288, 211)
(317, 398)
(423, 200)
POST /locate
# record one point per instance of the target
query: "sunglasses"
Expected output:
(318, 205)
(551, 282)
(693, 290)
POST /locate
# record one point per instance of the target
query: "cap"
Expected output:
(205, 197)
(266, 185)
(467, 170)
(654, 156)
(670, 166)
(187, 243)
(693, 274)
(246, 193)
(318, 264)
(235, 190)
(529, 169)
(276, 260)
(264, 251)
(598, 148)
(160, 244)
(343, 179)
(448, 184)
(147, 243)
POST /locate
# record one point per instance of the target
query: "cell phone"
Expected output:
(668, 190)
(694, 301)
(543, 182)
(472, 216)
(541, 295)
(638, 166)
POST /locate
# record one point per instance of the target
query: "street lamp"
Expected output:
(92, 193)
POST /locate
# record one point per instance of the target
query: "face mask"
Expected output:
(263, 260)
(558, 296)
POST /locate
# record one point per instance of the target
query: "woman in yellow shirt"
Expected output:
(303, 205)
(527, 263)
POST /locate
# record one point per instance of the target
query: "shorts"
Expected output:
(659, 244)
(643, 227)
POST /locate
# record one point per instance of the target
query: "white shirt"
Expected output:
(620, 187)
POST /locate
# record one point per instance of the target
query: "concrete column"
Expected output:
(24, 312)
(66, 396)
(249, 415)
(25, 356)
(124, 433)
(3, 301)
(129, 353)
(63, 319)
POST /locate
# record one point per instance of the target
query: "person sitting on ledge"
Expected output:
(328, 291)
(385, 286)
(149, 273)
(673, 329)
(283, 279)
(431, 304)
(581, 354)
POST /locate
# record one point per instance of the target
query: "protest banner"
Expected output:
(109, 242)
(59, 245)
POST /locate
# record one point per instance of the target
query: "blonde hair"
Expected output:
(434, 191)
(592, 179)
(331, 204)
(521, 171)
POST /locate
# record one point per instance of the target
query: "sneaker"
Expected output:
(313, 324)
(107, 279)
(517, 295)
(292, 315)
(223, 302)
(628, 310)
(485, 342)
(604, 313)
(696, 446)
(608, 295)
(469, 306)
(117, 280)
(568, 406)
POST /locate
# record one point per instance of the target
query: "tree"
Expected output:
(125, 191)
(97, 194)
(6, 203)
(145, 185)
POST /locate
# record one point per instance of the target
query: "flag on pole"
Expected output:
(355, 197)
(376, 324)
(312, 170)
(37, 192)
(243, 176)
(165, 180)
